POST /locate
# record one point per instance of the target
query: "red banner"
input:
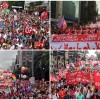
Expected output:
(75, 38)
(97, 80)
(78, 76)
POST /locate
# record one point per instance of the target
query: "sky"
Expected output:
(6, 58)
(98, 4)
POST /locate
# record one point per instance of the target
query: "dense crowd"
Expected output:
(61, 90)
(27, 90)
(75, 29)
(15, 35)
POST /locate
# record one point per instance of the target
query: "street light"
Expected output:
(13, 63)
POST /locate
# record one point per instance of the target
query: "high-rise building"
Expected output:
(25, 58)
(74, 11)
(68, 9)
(88, 11)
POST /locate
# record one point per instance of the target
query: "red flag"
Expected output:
(25, 21)
(97, 79)
(5, 5)
(76, 24)
(44, 15)
(38, 45)
(28, 30)
(64, 26)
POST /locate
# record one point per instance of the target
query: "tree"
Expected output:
(41, 64)
(17, 72)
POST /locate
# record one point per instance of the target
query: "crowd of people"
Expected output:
(26, 90)
(21, 30)
(61, 90)
(74, 29)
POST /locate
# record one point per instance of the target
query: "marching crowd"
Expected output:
(75, 29)
(21, 30)
(61, 90)
(26, 90)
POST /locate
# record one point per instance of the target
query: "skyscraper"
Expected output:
(88, 11)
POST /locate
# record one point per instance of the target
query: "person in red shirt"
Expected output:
(61, 93)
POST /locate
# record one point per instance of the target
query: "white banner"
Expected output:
(74, 45)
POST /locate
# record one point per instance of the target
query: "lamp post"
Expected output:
(32, 78)
(13, 63)
(32, 64)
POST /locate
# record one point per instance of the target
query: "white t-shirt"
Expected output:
(20, 45)
(54, 96)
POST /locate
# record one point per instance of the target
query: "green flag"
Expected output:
(7, 90)
(5, 12)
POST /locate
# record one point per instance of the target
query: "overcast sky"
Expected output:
(6, 58)
(98, 4)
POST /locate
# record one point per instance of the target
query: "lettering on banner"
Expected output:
(66, 46)
(75, 38)
(60, 47)
(78, 79)
(97, 83)
(98, 74)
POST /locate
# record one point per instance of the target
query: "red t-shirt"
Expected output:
(61, 94)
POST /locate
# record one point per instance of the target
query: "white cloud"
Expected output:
(98, 4)
(6, 58)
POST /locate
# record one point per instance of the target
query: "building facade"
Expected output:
(88, 11)
(74, 11)
(68, 9)
(24, 58)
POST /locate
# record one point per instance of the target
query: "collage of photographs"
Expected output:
(49, 49)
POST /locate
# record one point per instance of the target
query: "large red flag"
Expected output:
(44, 15)
(5, 5)
(97, 79)
(62, 24)
(28, 30)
